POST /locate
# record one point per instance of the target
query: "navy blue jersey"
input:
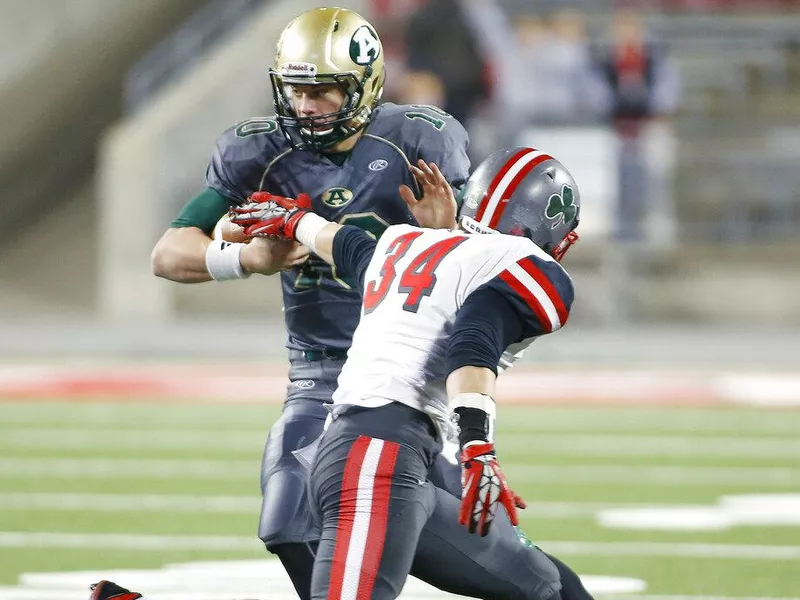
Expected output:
(322, 307)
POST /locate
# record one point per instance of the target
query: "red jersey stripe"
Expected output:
(531, 269)
(531, 300)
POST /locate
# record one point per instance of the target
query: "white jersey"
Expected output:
(414, 286)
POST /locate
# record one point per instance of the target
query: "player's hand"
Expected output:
(437, 208)
(483, 488)
(267, 256)
(268, 215)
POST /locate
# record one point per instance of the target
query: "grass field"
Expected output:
(96, 486)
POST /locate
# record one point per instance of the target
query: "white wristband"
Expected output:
(308, 228)
(474, 400)
(222, 261)
(481, 402)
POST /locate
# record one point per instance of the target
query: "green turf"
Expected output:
(566, 461)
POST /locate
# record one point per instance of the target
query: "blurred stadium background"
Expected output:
(685, 336)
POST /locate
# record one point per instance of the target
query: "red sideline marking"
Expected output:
(266, 384)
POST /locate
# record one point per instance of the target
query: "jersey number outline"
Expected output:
(255, 126)
(418, 278)
(437, 123)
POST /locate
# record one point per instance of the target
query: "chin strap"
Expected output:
(565, 244)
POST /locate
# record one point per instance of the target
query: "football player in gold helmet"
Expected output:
(357, 162)
(329, 59)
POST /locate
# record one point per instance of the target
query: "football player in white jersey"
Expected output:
(443, 312)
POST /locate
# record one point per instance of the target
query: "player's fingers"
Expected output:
(425, 168)
(509, 503)
(407, 195)
(482, 526)
(298, 261)
(429, 176)
(437, 174)
(243, 208)
(418, 174)
(465, 512)
(256, 197)
(469, 499)
(300, 253)
(439, 178)
(489, 507)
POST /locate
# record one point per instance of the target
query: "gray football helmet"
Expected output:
(525, 192)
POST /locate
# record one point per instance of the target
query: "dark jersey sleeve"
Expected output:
(218, 172)
(352, 250)
(532, 297)
(240, 156)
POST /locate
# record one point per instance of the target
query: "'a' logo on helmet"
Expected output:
(337, 196)
(364, 46)
(561, 208)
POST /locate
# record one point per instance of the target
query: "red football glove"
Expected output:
(268, 215)
(483, 487)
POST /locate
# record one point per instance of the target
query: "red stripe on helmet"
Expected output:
(498, 178)
(509, 191)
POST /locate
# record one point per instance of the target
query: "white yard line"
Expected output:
(543, 419)
(668, 597)
(743, 446)
(122, 541)
(643, 475)
(129, 438)
(129, 503)
(126, 468)
(144, 542)
(740, 446)
(228, 579)
(688, 550)
(544, 473)
(233, 504)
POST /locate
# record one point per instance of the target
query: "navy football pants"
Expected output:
(382, 518)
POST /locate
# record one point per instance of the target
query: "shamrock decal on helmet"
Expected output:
(561, 208)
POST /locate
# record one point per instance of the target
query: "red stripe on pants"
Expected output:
(347, 514)
(381, 494)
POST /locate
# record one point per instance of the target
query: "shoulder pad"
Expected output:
(241, 154)
(415, 123)
(259, 137)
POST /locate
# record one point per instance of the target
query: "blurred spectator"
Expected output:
(390, 19)
(421, 87)
(441, 42)
(555, 80)
(643, 92)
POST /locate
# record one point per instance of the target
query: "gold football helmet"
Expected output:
(324, 46)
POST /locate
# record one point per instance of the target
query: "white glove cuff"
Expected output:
(475, 414)
(482, 402)
(308, 228)
(222, 261)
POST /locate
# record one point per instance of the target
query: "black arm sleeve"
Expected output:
(485, 326)
(352, 250)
